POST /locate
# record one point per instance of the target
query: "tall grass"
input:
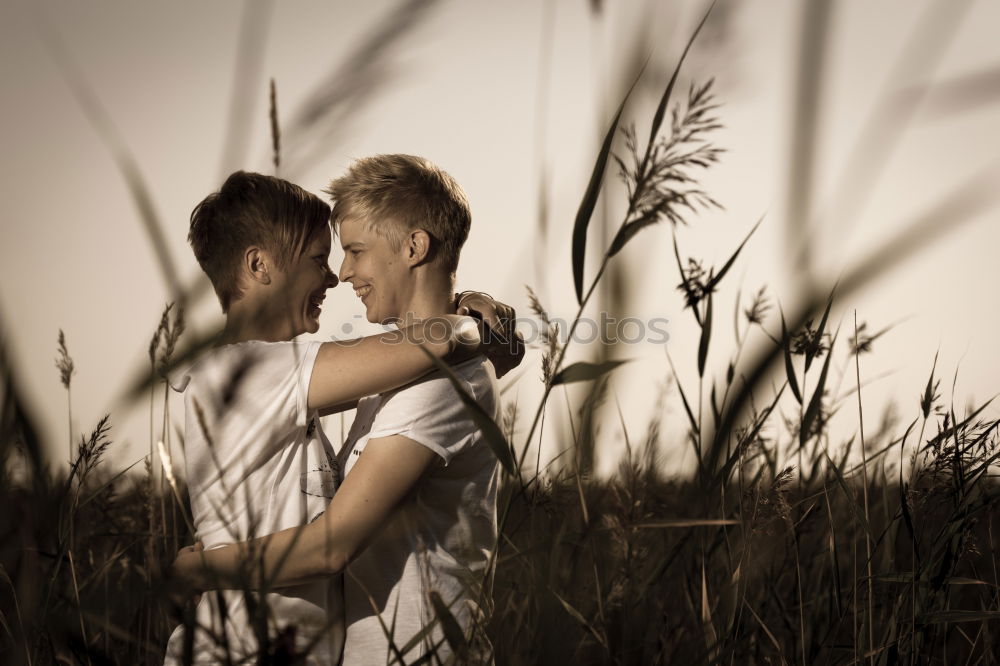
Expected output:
(785, 546)
(891, 560)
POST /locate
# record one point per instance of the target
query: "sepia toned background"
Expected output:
(512, 99)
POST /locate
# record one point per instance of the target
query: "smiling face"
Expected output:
(379, 274)
(301, 286)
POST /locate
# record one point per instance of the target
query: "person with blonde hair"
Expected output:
(261, 473)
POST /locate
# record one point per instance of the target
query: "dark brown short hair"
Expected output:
(395, 194)
(252, 209)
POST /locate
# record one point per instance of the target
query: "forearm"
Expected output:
(290, 557)
(348, 370)
(383, 476)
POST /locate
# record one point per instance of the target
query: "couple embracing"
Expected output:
(376, 551)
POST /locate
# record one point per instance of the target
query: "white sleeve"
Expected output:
(266, 380)
(305, 362)
(430, 413)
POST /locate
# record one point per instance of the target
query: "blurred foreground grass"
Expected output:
(636, 569)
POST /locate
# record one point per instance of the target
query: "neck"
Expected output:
(433, 295)
(246, 322)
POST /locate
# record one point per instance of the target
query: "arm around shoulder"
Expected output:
(349, 370)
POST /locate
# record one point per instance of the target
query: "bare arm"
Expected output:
(382, 477)
(349, 370)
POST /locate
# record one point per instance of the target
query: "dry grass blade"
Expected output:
(976, 196)
(17, 424)
(452, 629)
(817, 347)
(711, 639)
(17, 610)
(793, 382)
(686, 522)
(661, 108)
(706, 336)
(250, 52)
(628, 230)
(886, 125)
(688, 286)
(856, 511)
(589, 200)
(801, 162)
(583, 371)
(167, 466)
(767, 632)
(491, 431)
(813, 409)
(326, 112)
(957, 95)
(128, 167)
(712, 283)
(578, 616)
(275, 131)
(687, 406)
(747, 439)
(951, 616)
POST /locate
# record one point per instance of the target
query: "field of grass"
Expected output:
(754, 567)
(785, 546)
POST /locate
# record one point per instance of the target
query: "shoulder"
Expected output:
(474, 376)
(257, 351)
(243, 361)
(434, 399)
(430, 411)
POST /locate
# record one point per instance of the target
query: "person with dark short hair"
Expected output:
(260, 471)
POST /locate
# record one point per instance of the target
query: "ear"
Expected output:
(256, 265)
(418, 247)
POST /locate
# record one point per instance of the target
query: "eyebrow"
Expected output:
(352, 245)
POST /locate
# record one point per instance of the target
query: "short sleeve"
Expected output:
(430, 413)
(305, 369)
(278, 374)
(257, 381)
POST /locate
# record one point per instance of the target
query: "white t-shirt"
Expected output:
(257, 462)
(440, 538)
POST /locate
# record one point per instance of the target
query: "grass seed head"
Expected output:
(695, 283)
(64, 362)
(810, 342)
(91, 449)
(658, 179)
(168, 332)
(759, 307)
(509, 420)
(549, 334)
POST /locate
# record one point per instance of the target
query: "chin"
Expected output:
(311, 326)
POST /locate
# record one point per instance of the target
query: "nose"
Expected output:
(331, 279)
(346, 272)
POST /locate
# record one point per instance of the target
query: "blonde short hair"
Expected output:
(395, 194)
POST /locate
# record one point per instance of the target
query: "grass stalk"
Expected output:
(79, 607)
(864, 481)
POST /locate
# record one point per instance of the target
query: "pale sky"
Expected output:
(464, 92)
